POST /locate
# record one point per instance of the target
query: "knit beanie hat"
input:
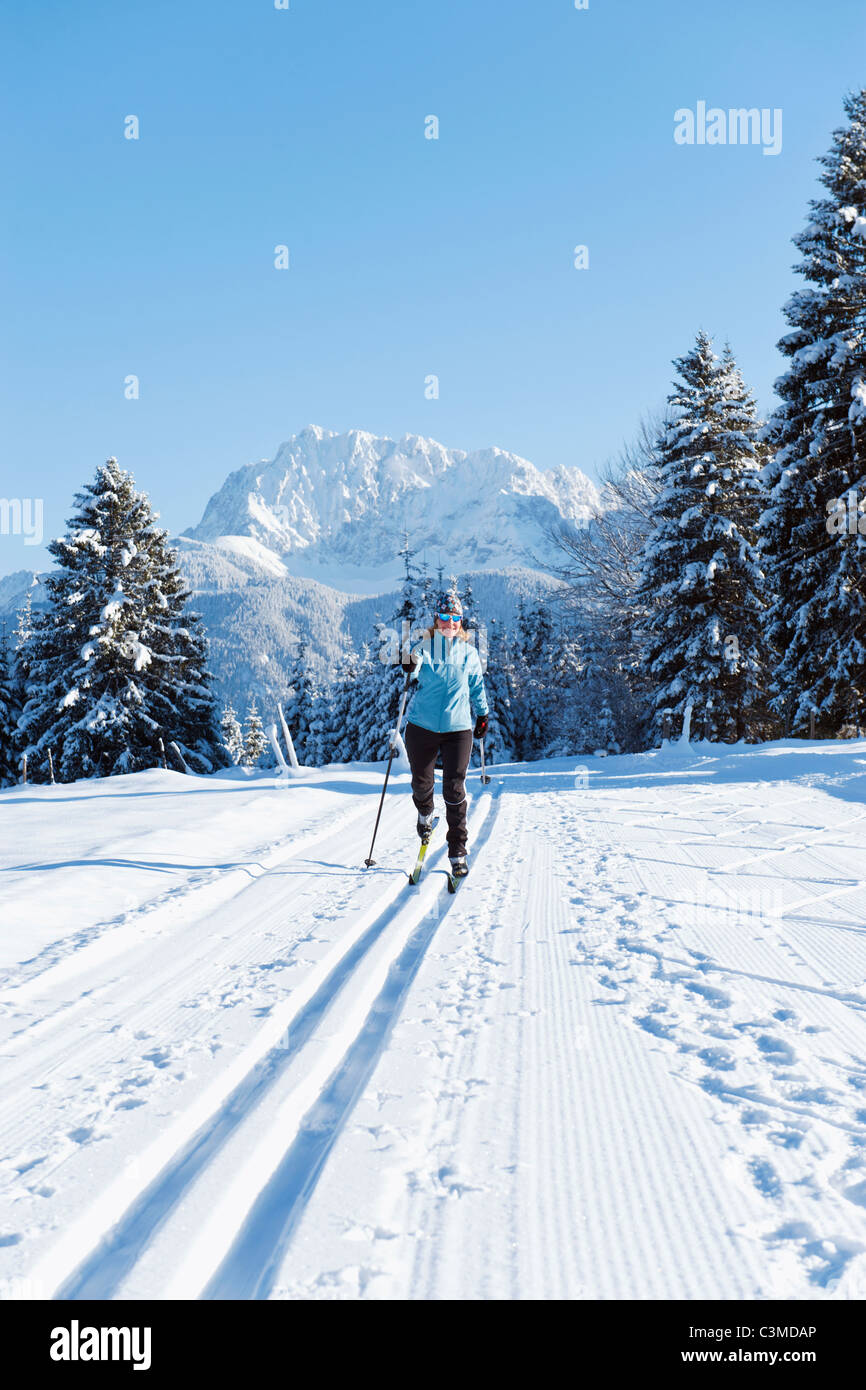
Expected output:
(450, 603)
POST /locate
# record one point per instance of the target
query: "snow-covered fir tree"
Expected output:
(301, 708)
(365, 714)
(701, 584)
(386, 690)
(232, 735)
(117, 662)
(340, 737)
(467, 600)
(609, 696)
(394, 639)
(23, 631)
(256, 746)
(813, 532)
(19, 668)
(498, 683)
(607, 730)
(322, 733)
(542, 693)
(8, 713)
(533, 693)
(567, 733)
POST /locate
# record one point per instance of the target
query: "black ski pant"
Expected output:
(422, 746)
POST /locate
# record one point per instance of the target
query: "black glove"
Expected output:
(481, 725)
(410, 662)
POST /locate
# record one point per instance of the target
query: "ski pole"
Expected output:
(484, 777)
(370, 861)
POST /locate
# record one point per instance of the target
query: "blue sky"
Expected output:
(409, 256)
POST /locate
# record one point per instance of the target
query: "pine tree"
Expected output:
(117, 662)
(415, 600)
(607, 730)
(368, 711)
(232, 735)
(600, 666)
(302, 708)
(812, 533)
(498, 683)
(23, 632)
(322, 734)
(255, 740)
(385, 690)
(467, 601)
(566, 665)
(426, 591)
(701, 583)
(8, 719)
(341, 745)
(393, 641)
(536, 691)
(19, 670)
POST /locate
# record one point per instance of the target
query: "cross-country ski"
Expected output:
(425, 833)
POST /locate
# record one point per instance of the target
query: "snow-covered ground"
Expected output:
(627, 1060)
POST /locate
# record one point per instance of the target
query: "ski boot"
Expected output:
(424, 827)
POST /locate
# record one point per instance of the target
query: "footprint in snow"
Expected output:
(650, 1024)
(814, 1095)
(825, 1259)
(856, 1193)
(28, 1163)
(786, 1138)
(765, 1177)
(716, 998)
(719, 1058)
(775, 1049)
(450, 1179)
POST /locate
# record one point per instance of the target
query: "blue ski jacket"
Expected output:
(450, 692)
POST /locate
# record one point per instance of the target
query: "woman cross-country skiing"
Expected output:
(449, 708)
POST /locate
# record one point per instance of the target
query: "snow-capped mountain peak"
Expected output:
(329, 499)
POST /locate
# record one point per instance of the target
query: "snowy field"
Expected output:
(627, 1060)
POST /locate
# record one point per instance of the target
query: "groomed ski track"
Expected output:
(627, 1059)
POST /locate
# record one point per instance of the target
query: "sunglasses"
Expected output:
(448, 617)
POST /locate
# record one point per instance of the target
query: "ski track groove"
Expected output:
(251, 1266)
(103, 1272)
